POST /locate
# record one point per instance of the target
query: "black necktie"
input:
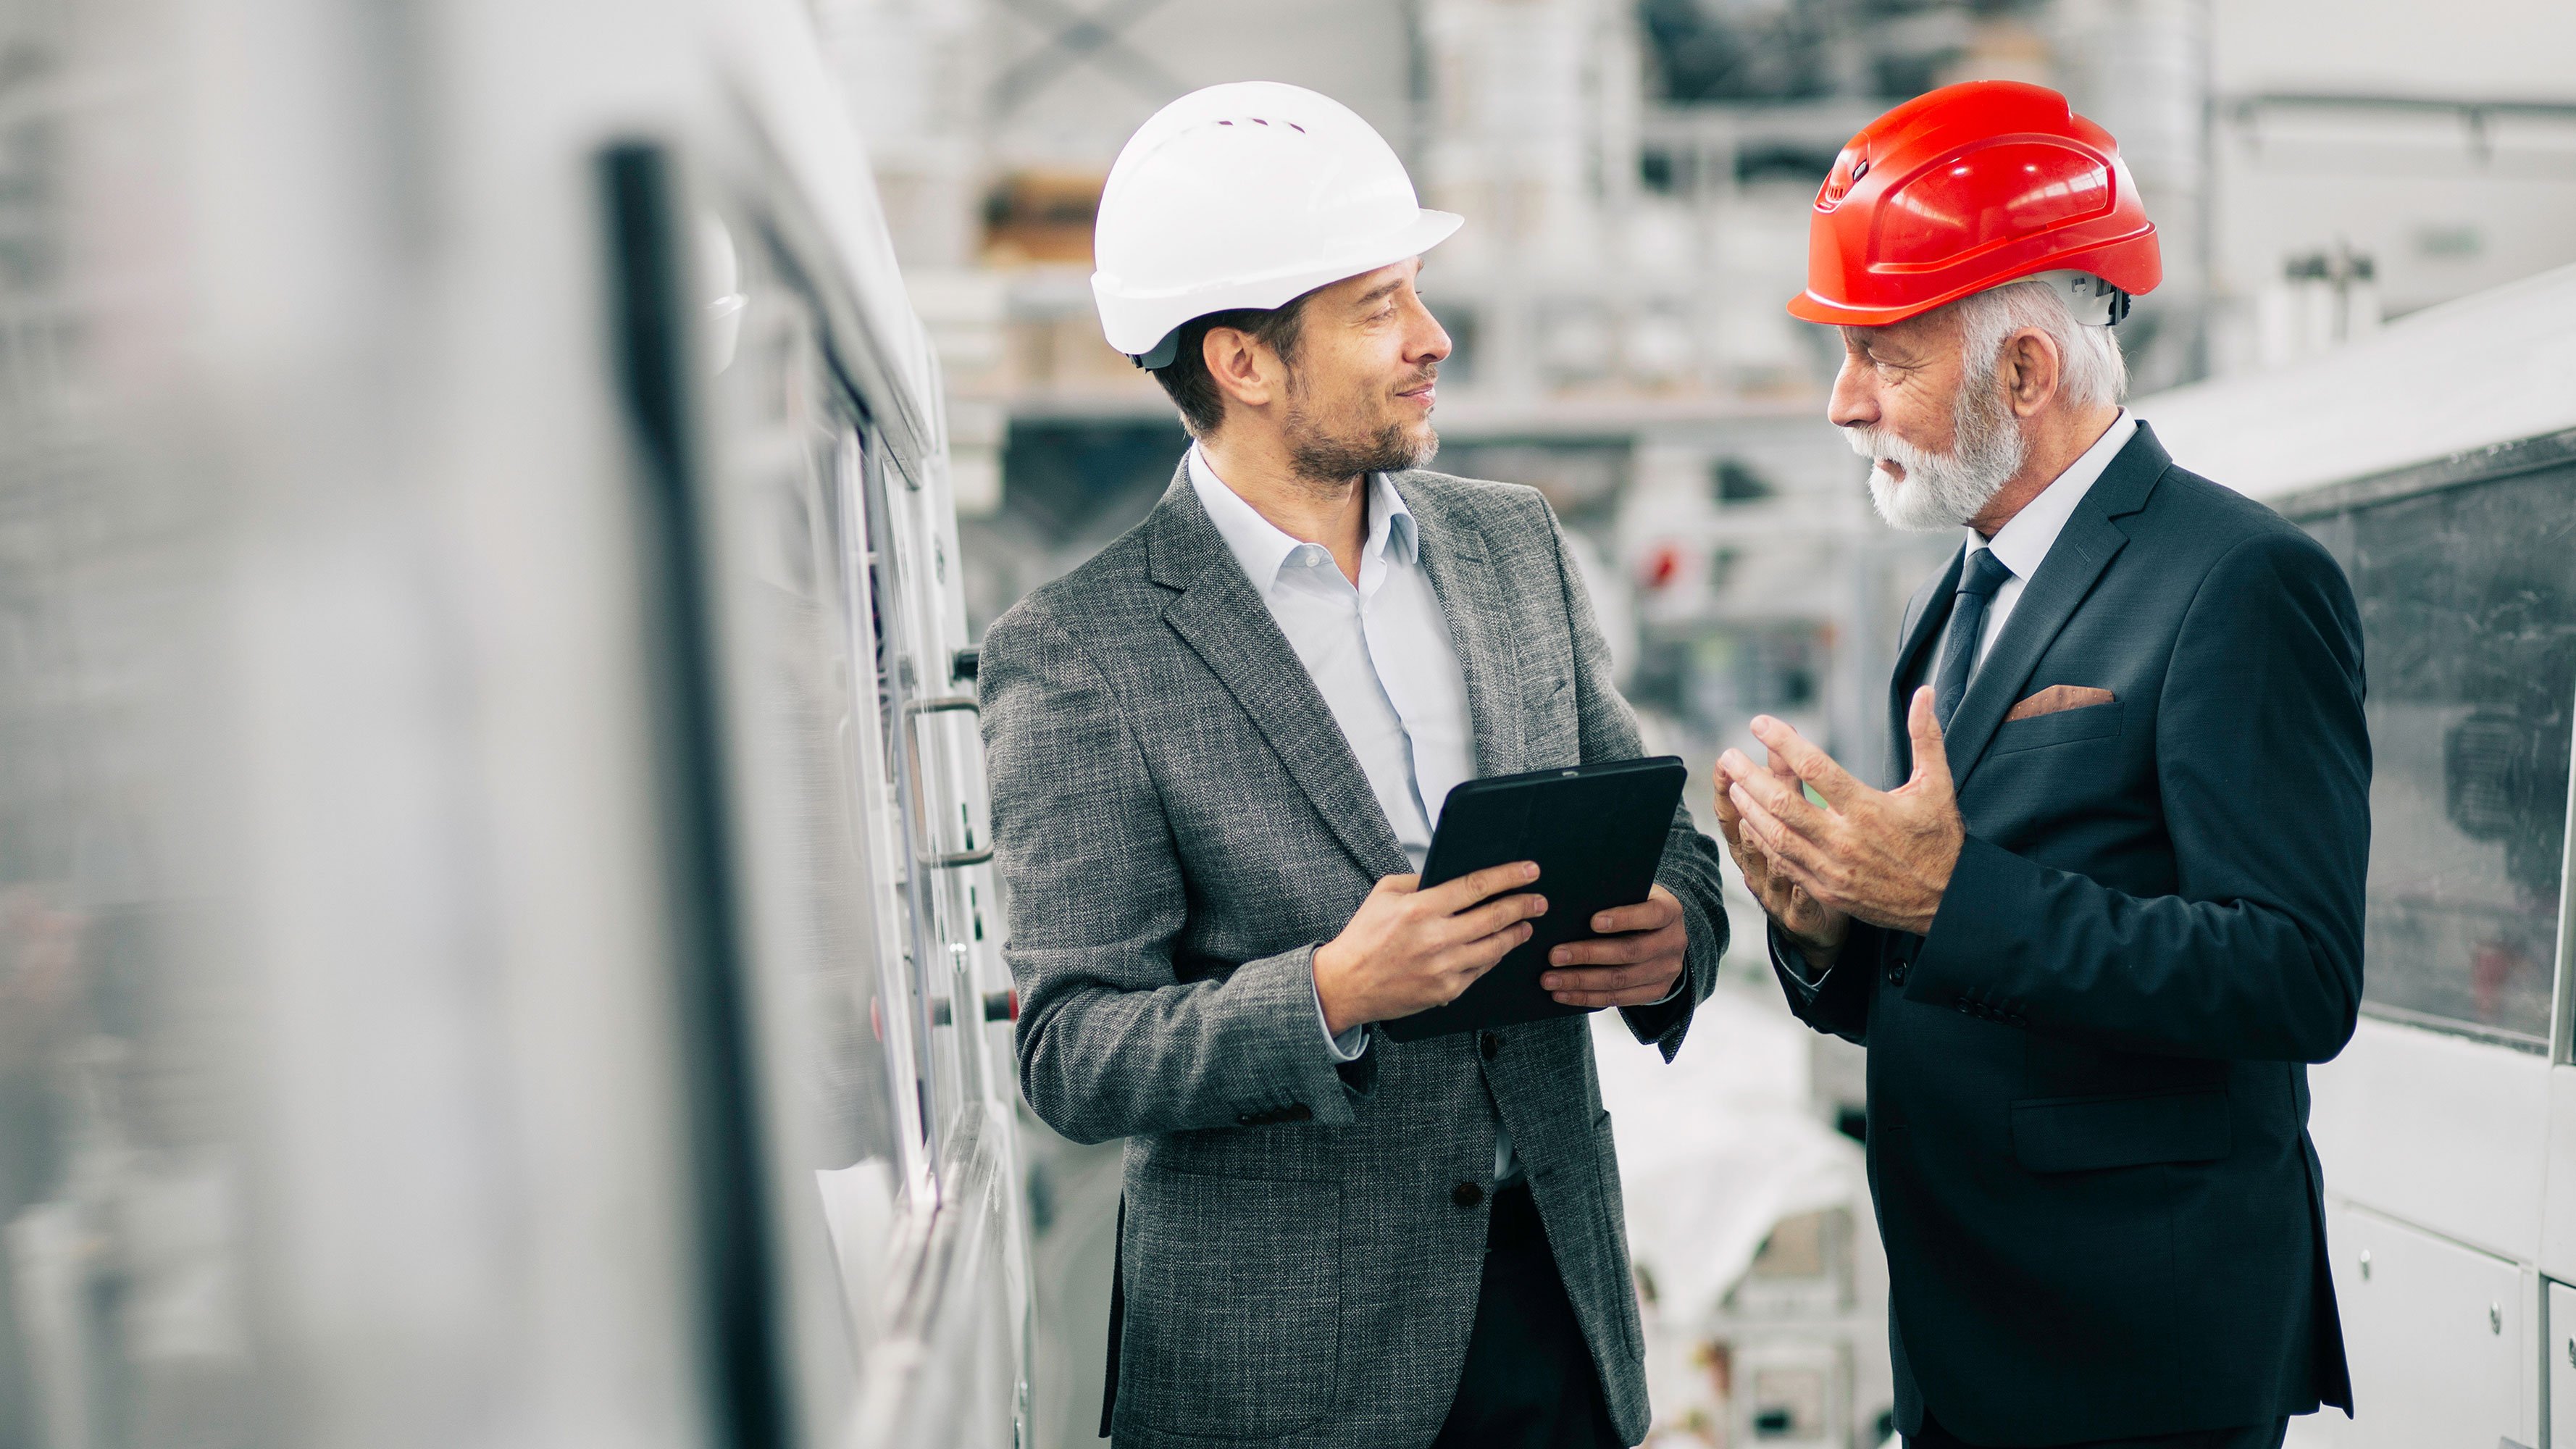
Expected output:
(1984, 574)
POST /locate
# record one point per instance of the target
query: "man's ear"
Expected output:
(1242, 366)
(2031, 370)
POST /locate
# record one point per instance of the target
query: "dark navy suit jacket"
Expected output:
(2087, 1106)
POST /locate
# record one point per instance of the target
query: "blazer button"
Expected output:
(1896, 974)
(1490, 1044)
(1466, 1194)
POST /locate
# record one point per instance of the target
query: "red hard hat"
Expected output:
(1969, 187)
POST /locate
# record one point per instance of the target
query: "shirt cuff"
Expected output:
(1787, 955)
(1681, 986)
(1351, 1045)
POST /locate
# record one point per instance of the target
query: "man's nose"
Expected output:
(1428, 340)
(1854, 403)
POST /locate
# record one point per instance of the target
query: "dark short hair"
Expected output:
(1193, 390)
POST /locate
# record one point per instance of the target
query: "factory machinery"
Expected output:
(497, 943)
(2438, 461)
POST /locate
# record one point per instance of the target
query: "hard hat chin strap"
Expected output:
(2095, 303)
(1165, 353)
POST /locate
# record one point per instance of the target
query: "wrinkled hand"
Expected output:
(1817, 928)
(1409, 949)
(1882, 856)
(1635, 960)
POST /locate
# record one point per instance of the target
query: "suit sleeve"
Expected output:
(1689, 869)
(2263, 763)
(1111, 1042)
(1837, 1002)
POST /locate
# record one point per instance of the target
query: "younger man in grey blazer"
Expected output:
(1218, 750)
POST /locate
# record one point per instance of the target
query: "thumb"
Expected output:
(1931, 754)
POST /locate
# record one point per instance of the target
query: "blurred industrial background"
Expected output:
(379, 843)
(1636, 176)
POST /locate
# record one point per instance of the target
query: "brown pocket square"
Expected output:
(2057, 697)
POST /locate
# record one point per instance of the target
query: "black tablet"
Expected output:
(1597, 833)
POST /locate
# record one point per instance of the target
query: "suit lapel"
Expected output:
(1220, 617)
(1453, 557)
(2090, 540)
(1924, 617)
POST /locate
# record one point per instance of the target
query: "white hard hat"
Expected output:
(1246, 195)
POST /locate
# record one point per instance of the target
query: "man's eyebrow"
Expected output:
(1382, 289)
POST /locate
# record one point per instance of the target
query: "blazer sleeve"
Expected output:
(2263, 763)
(1689, 869)
(1837, 1002)
(1111, 1042)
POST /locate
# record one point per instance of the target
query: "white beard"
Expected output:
(1944, 490)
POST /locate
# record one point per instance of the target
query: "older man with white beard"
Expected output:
(2115, 903)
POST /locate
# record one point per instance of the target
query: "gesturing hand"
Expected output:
(1883, 856)
(1408, 949)
(1818, 929)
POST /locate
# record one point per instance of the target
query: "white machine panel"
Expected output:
(2438, 1130)
(2558, 1218)
(2440, 1339)
(2559, 1352)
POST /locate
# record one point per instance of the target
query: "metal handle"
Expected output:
(998, 1006)
(947, 704)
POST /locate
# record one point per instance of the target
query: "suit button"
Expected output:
(1247, 1119)
(1466, 1194)
(1896, 974)
(1490, 1044)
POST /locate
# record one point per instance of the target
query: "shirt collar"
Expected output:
(1261, 547)
(2022, 543)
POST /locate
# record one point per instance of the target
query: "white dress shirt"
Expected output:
(1380, 655)
(2022, 544)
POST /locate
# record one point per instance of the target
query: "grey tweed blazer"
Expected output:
(1180, 823)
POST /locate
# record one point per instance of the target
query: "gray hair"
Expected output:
(2092, 372)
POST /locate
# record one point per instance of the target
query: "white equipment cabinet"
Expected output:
(2438, 461)
(497, 943)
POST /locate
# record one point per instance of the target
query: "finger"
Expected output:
(1478, 956)
(1609, 951)
(1454, 896)
(1657, 973)
(1494, 915)
(1396, 885)
(1810, 763)
(1785, 801)
(1729, 823)
(1789, 850)
(1648, 993)
(1931, 752)
(1651, 914)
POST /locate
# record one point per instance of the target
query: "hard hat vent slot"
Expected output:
(1996, 194)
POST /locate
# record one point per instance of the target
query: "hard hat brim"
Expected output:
(1149, 315)
(2103, 262)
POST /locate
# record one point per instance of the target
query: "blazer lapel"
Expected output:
(1924, 617)
(2090, 540)
(1229, 626)
(1471, 599)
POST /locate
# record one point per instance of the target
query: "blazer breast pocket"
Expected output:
(2058, 727)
